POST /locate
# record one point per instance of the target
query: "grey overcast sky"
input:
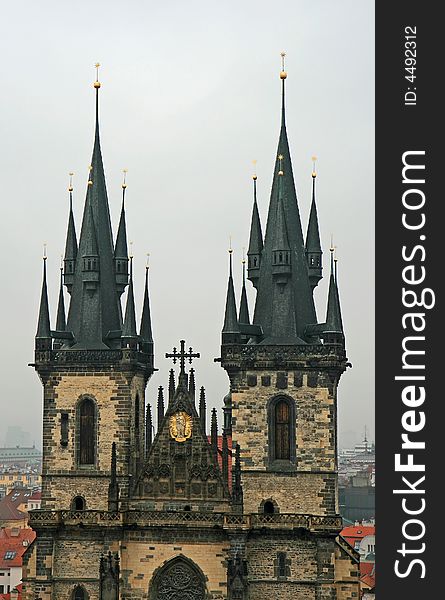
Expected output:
(190, 95)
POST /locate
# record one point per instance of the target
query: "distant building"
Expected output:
(19, 456)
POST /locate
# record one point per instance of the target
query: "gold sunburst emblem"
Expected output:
(180, 426)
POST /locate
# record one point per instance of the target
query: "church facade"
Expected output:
(246, 513)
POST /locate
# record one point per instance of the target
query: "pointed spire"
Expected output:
(171, 385)
(227, 410)
(297, 293)
(113, 487)
(160, 406)
(70, 244)
(202, 409)
(148, 430)
(244, 306)
(230, 329)
(60, 320)
(237, 491)
(43, 335)
(214, 435)
(225, 459)
(333, 313)
(146, 331)
(94, 315)
(255, 240)
(192, 384)
(313, 245)
(129, 329)
(121, 247)
(283, 77)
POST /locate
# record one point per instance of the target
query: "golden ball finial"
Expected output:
(70, 187)
(280, 173)
(283, 73)
(96, 84)
(255, 177)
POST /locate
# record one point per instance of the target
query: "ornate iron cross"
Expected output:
(182, 355)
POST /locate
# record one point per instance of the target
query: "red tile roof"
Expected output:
(13, 543)
(8, 511)
(36, 496)
(356, 533)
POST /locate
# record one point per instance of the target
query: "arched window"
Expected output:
(269, 508)
(179, 578)
(281, 421)
(78, 503)
(79, 593)
(87, 432)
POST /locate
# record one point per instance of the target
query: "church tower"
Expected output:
(284, 371)
(94, 369)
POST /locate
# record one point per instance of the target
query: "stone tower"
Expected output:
(284, 370)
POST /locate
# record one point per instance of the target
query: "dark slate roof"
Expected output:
(93, 315)
(129, 328)
(302, 309)
(230, 317)
(43, 323)
(333, 313)
(244, 305)
(121, 248)
(256, 234)
(313, 235)
(61, 320)
(71, 238)
(146, 331)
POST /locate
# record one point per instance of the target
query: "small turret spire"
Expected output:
(71, 243)
(192, 384)
(313, 245)
(225, 459)
(113, 487)
(146, 331)
(334, 323)
(202, 409)
(121, 247)
(61, 320)
(148, 430)
(255, 240)
(129, 333)
(244, 305)
(171, 385)
(230, 329)
(283, 77)
(43, 335)
(237, 490)
(160, 406)
(214, 435)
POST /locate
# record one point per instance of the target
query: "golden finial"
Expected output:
(147, 264)
(90, 168)
(280, 158)
(332, 248)
(97, 83)
(61, 262)
(244, 256)
(230, 245)
(254, 176)
(124, 185)
(314, 160)
(131, 249)
(44, 251)
(70, 188)
(283, 73)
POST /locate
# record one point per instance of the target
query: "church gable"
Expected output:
(181, 464)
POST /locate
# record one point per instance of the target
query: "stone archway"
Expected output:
(178, 579)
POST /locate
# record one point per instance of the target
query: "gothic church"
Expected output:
(248, 513)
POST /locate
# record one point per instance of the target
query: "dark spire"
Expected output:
(113, 487)
(202, 409)
(160, 405)
(146, 332)
(43, 335)
(121, 248)
(214, 435)
(171, 385)
(60, 320)
(237, 490)
(225, 459)
(94, 314)
(148, 430)
(313, 245)
(230, 329)
(70, 244)
(333, 313)
(192, 384)
(301, 311)
(227, 410)
(129, 333)
(255, 241)
(244, 306)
